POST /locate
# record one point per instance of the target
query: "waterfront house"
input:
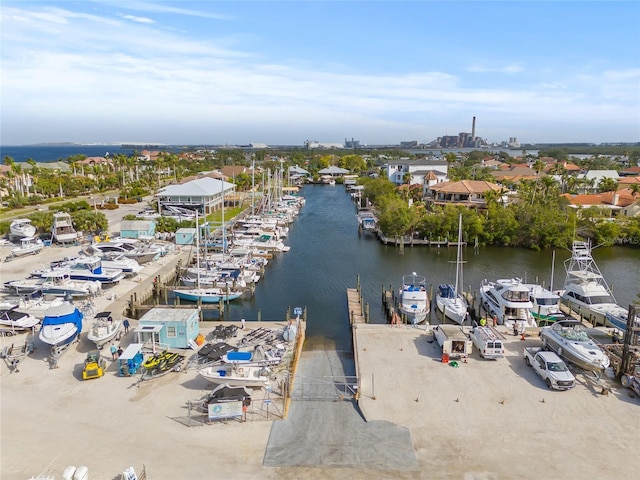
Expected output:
(395, 170)
(621, 203)
(469, 193)
(333, 171)
(168, 327)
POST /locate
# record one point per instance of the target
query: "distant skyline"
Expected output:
(280, 73)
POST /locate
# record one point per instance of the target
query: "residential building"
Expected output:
(469, 193)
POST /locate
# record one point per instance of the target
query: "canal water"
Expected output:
(327, 255)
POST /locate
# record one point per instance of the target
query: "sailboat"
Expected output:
(205, 295)
(449, 299)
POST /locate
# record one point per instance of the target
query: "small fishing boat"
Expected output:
(236, 375)
(28, 246)
(21, 228)
(414, 300)
(61, 325)
(104, 329)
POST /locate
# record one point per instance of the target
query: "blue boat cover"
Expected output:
(446, 291)
(239, 356)
(63, 314)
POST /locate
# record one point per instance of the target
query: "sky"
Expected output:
(282, 72)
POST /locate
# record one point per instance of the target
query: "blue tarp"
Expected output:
(447, 291)
(63, 314)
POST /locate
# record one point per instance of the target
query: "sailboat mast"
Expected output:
(197, 250)
(459, 257)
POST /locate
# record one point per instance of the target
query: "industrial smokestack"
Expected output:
(473, 129)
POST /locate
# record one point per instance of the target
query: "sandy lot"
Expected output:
(495, 419)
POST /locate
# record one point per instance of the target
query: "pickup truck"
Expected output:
(550, 367)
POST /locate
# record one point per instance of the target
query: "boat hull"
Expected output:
(206, 296)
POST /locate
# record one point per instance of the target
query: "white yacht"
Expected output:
(509, 300)
(414, 299)
(21, 228)
(585, 290)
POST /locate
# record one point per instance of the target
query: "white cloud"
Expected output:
(133, 18)
(67, 71)
(511, 68)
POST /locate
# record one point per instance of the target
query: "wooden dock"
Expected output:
(358, 311)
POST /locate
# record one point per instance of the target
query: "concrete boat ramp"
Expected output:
(325, 429)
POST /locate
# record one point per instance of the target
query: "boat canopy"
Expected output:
(63, 314)
(447, 291)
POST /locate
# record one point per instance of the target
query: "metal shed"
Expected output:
(185, 236)
(168, 327)
(138, 229)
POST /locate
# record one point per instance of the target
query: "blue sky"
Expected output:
(272, 72)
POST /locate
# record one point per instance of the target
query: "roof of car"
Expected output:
(550, 356)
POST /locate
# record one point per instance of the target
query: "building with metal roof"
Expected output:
(205, 194)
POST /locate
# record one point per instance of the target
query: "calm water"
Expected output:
(327, 256)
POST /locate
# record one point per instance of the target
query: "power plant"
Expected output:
(462, 140)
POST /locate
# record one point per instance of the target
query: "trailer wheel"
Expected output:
(526, 360)
(625, 381)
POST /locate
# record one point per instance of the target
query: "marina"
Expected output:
(351, 357)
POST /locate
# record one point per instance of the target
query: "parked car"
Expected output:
(550, 368)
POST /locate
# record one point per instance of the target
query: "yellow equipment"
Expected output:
(94, 366)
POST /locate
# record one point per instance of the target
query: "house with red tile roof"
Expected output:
(464, 192)
(619, 203)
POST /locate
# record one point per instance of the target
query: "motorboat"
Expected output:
(86, 268)
(21, 228)
(14, 320)
(414, 299)
(449, 298)
(236, 375)
(545, 305)
(61, 325)
(27, 286)
(569, 339)
(586, 292)
(58, 283)
(118, 261)
(620, 319)
(139, 252)
(367, 221)
(104, 329)
(38, 307)
(28, 246)
(509, 300)
(62, 230)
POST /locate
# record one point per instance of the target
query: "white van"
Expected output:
(488, 341)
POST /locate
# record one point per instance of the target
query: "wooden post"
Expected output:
(366, 315)
(259, 315)
(304, 313)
